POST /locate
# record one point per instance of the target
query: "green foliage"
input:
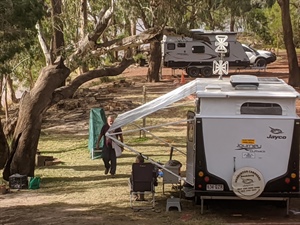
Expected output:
(17, 25)
(274, 25)
(139, 56)
(27, 65)
(295, 19)
(258, 23)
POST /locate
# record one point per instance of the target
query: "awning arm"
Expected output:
(151, 127)
(146, 157)
(163, 141)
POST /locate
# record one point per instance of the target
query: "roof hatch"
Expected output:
(244, 81)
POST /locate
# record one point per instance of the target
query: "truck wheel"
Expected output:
(193, 71)
(260, 62)
(206, 71)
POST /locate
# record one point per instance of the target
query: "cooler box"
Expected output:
(175, 167)
(17, 181)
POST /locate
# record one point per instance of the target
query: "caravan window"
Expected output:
(171, 46)
(181, 45)
(256, 108)
(198, 49)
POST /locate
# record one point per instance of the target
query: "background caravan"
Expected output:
(196, 53)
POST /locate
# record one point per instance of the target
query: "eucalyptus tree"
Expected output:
(295, 17)
(17, 31)
(17, 21)
(48, 90)
(294, 70)
(153, 13)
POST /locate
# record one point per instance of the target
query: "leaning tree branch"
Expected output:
(128, 42)
(119, 44)
(68, 91)
(43, 44)
(89, 41)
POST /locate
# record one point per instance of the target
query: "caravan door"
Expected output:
(190, 156)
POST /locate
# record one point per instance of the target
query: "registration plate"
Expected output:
(215, 187)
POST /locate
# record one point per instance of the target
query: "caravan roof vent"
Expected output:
(244, 81)
(212, 87)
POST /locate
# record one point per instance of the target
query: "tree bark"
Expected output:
(4, 146)
(2, 90)
(232, 22)
(11, 90)
(294, 71)
(83, 27)
(155, 60)
(25, 139)
(58, 36)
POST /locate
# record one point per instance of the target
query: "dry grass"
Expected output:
(77, 191)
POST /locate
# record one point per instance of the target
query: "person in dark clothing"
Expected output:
(108, 153)
(140, 159)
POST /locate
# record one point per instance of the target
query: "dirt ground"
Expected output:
(18, 208)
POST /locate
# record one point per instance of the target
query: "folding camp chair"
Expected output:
(142, 182)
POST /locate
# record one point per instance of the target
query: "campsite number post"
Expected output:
(220, 66)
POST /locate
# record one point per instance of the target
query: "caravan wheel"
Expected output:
(193, 71)
(206, 71)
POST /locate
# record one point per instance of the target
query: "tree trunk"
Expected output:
(58, 36)
(2, 89)
(4, 148)
(5, 100)
(11, 90)
(232, 22)
(154, 61)
(32, 106)
(58, 28)
(294, 71)
(83, 27)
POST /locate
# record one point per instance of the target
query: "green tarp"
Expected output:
(96, 122)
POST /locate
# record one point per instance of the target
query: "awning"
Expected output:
(155, 105)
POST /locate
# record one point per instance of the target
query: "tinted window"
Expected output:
(181, 45)
(198, 49)
(246, 49)
(255, 108)
(171, 46)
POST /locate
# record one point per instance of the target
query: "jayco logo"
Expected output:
(275, 134)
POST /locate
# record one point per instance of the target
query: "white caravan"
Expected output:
(196, 53)
(242, 138)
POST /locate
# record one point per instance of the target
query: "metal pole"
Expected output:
(144, 101)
